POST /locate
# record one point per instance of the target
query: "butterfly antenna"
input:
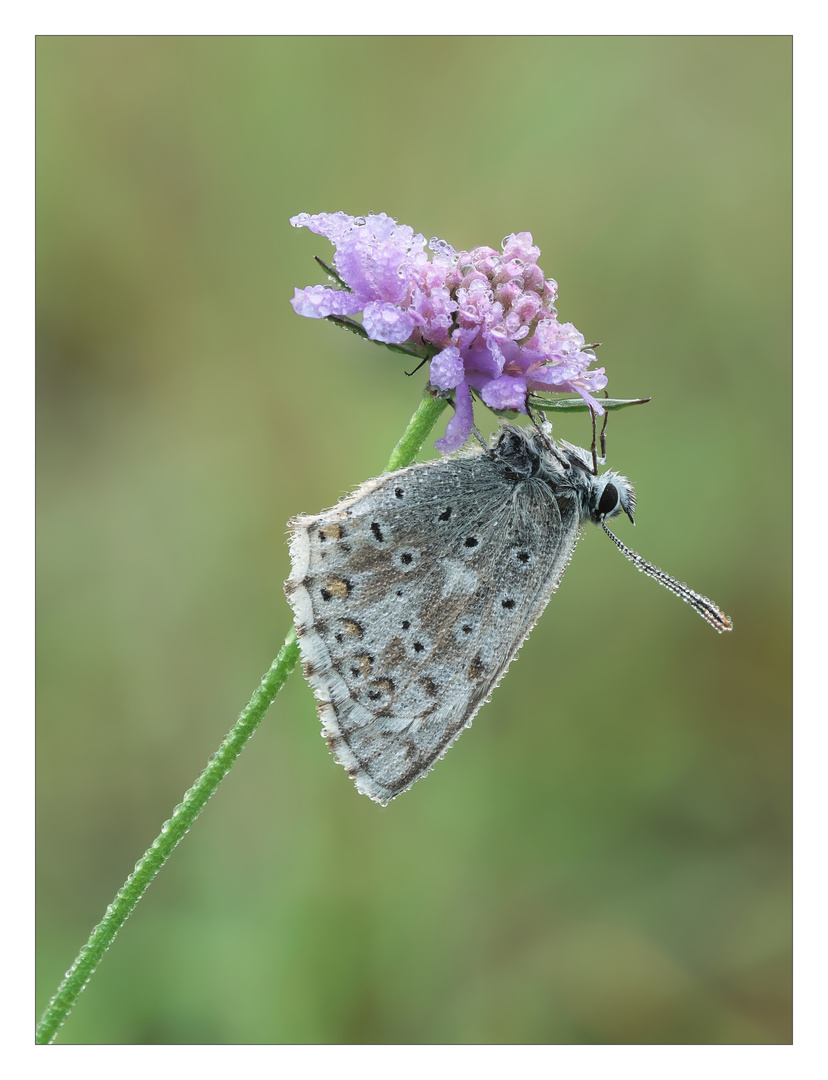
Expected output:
(706, 608)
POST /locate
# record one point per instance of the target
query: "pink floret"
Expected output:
(489, 314)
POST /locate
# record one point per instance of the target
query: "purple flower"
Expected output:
(486, 317)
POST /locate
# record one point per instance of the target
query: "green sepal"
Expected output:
(348, 323)
(539, 401)
(332, 274)
(407, 348)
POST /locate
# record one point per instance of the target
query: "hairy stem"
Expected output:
(418, 430)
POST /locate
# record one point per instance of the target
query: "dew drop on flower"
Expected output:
(441, 247)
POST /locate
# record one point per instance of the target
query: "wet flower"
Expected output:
(486, 318)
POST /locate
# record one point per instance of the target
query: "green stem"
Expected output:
(419, 427)
(196, 798)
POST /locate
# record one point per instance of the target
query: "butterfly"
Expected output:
(412, 596)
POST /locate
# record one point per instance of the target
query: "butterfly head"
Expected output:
(601, 497)
(610, 495)
(606, 496)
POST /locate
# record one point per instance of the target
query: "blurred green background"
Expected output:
(605, 857)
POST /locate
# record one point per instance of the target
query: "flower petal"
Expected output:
(319, 301)
(387, 323)
(379, 258)
(447, 371)
(459, 427)
(333, 226)
(507, 392)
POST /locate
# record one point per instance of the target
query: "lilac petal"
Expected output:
(459, 427)
(569, 333)
(508, 293)
(553, 378)
(527, 306)
(433, 310)
(375, 273)
(374, 255)
(431, 277)
(446, 371)
(333, 226)
(379, 258)
(520, 246)
(476, 306)
(560, 380)
(592, 380)
(509, 271)
(495, 346)
(480, 359)
(507, 392)
(505, 352)
(546, 336)
(464, 337)
(526, 360)
(387, 323)
(319, 301)
(485, 259)
(533, 278)
(590, 400)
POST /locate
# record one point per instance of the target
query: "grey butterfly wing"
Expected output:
(411, 598)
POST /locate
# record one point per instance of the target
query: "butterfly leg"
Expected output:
(593, 444)
(561, 461)
(602, 438)
(603, 458)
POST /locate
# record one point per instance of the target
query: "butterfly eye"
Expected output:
(608, 501)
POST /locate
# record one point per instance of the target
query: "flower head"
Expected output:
(486, 318)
